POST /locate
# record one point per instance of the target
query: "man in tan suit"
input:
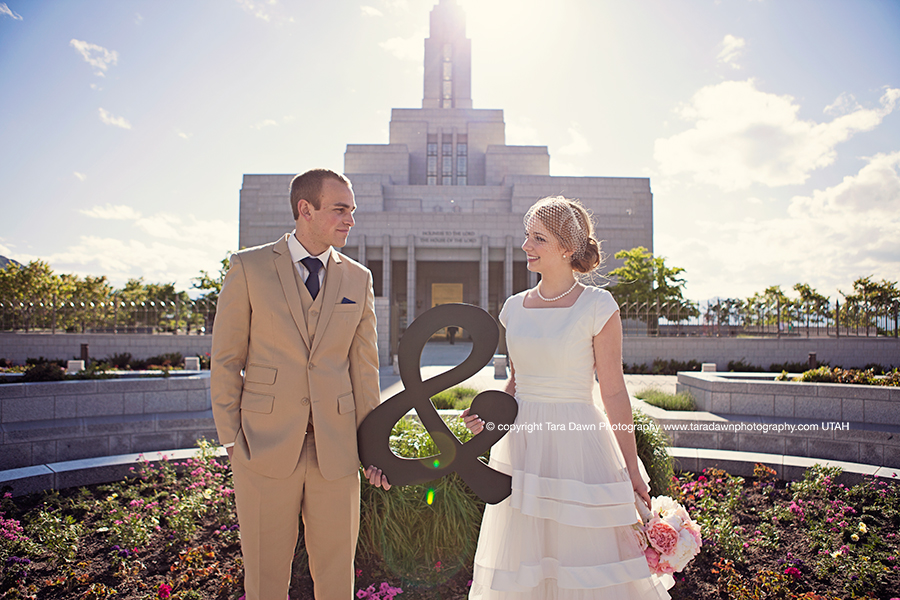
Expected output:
(294, 373)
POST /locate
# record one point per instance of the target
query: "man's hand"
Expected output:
(473, 423)
(377, 478)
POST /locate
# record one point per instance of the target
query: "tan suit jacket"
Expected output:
(271, 368)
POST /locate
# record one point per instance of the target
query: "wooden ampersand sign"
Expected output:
(491, 406)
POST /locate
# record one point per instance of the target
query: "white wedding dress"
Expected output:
(565, 531)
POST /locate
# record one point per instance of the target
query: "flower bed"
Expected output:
(170, 532)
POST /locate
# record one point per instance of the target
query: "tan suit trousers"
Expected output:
(267, 511)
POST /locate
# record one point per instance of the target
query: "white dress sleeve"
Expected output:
(504, 312)
(604, 307)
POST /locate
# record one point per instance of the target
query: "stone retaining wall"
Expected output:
(841, 422)
(43, 423)
(845, 351)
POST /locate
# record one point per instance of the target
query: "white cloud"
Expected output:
(138, 18)
(742, 136)
(827, 239)
(161, 225)
(80, 176)
(114, 212)
(182, 135)
(97, 56)
(164, 225)
(370, 11)
(5, 250)
(178, 248)
(4, 10)
(408, 48)
(264, 10)
(843, 104)
(265, 123)
(109, 119)
(578, 145)
(731, 48)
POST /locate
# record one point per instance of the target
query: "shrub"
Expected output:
(413, 528)
(46, 371)
(120, 360)
(851, 376)
(741, 366)
(41, 360)
(679, 401)
(662, 367)
(169, 359)
(652, 444)
(458, 398)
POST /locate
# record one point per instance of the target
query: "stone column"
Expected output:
(362, 250)
(410, 279)
(386, 290)
(508, 269)
(483, 272)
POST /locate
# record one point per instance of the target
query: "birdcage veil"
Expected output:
(559, 216)
(570, 223)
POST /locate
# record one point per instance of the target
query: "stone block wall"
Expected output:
(17, 347)
(845, 351)
(43, 423)
(851, 423)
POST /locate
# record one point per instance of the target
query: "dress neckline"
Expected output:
(583, 292)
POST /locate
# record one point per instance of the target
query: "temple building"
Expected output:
(441, 205)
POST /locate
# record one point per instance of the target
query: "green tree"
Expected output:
(645, 282)
(646, 278)
(869, 300)
(812, 304)
(205, 306)
(212, 286)
(23, 291)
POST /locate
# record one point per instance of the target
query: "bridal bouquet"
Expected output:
(668, 536)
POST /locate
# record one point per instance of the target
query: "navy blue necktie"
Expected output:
(312, 265)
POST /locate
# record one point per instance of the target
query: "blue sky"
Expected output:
(769, 129)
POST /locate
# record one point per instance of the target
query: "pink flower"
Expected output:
(164, 591)
(661, 535)
(652, 557)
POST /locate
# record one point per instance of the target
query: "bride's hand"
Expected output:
(641, 488)
(473, 423)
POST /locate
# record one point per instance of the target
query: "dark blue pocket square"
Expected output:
(347, 301)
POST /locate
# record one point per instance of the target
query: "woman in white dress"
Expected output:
(565, 532)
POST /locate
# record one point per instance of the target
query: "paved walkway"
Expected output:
(438, 357)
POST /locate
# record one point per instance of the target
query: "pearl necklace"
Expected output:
(541, 296)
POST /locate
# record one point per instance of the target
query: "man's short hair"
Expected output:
(308, 186)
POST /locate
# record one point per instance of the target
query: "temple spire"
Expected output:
(448, 59)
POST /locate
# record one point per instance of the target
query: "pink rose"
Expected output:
(652, 557)
(661, 535)
(664, 567)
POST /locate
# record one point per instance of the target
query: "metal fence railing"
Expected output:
(723, 319)
(111, 315)
(711, 319)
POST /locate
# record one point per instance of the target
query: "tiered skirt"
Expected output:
(566, 530)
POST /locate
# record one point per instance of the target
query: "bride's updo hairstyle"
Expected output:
(571, 225)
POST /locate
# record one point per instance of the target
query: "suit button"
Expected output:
(305, 401)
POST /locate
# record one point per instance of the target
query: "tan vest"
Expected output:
(312, 308)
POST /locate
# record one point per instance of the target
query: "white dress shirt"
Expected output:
(298, 253)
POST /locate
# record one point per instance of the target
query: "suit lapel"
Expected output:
(285, 268)
(333, 276)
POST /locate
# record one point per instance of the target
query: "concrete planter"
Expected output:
(746, 412)
(43, 423)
